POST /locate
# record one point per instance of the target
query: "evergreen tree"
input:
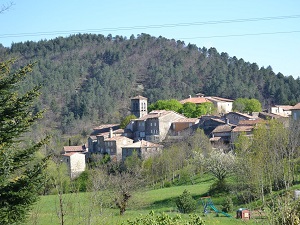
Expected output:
(20, 169)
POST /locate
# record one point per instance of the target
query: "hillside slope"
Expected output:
(89, 79)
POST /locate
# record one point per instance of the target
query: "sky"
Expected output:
(266, 32)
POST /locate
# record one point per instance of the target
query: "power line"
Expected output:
(241, 35)
(154, 26)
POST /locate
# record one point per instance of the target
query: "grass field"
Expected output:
(86, 208)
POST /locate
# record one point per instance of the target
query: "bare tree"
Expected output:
(5, 7)
(122, 186)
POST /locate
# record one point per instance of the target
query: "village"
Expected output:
(150, 130)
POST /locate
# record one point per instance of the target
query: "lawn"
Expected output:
(86, 208)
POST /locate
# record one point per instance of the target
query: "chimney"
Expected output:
(110, 133)
(190, 96)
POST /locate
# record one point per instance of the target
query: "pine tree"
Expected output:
(20, 170)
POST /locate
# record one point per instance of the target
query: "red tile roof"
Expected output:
(196, 100)
(79, 148)
(297, 106)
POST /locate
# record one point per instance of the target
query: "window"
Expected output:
(154, 123)
(151, 124)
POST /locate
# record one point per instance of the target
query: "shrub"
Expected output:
(185, 203)
(228, 205)
(163, 218)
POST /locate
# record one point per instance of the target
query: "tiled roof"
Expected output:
(139, 97)
(243, 114)
(156, 114)
(270, 115)
(250, 122)
(297, 106)
(218, 99)
(187, 120)
(142, 144)
(284, 107)
(196, 100)
(79, 148)
(218, 120)
(243, 129)
(222, 128)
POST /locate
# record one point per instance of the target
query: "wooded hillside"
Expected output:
(88, 79)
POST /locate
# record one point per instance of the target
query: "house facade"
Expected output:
(143, 148)
(104, 130)
(236, 117)
(76, 163)
(154, 126)
(75, 158)
(282, 110)
(222, 105)
(296, 112)
(222, 133)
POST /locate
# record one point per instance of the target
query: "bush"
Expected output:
(163, 218)
(228, 206)
(185, 203)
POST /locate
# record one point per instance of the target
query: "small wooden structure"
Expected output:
(243, 213)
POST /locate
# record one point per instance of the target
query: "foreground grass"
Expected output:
(87, 208)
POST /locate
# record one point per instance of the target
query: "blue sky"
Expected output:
(272, 38)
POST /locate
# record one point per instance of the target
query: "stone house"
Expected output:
(222, 134)
(103, 130)
(236, 117)
(282, 110)
(209, 123)
(222, 105)
(246, 128)
(143, 148)
(112, 144)
(75, 158)
(182, 125)
(76, 163)
(296, 112)
(152, 127)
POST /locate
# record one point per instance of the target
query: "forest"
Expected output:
(85, 80)
(88, 79)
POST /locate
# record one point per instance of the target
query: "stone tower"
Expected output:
(139, 106)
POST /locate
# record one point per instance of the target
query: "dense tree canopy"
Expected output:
(88, 78)
(20, 168)
(247, 105)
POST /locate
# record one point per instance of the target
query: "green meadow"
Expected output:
(95, 207)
